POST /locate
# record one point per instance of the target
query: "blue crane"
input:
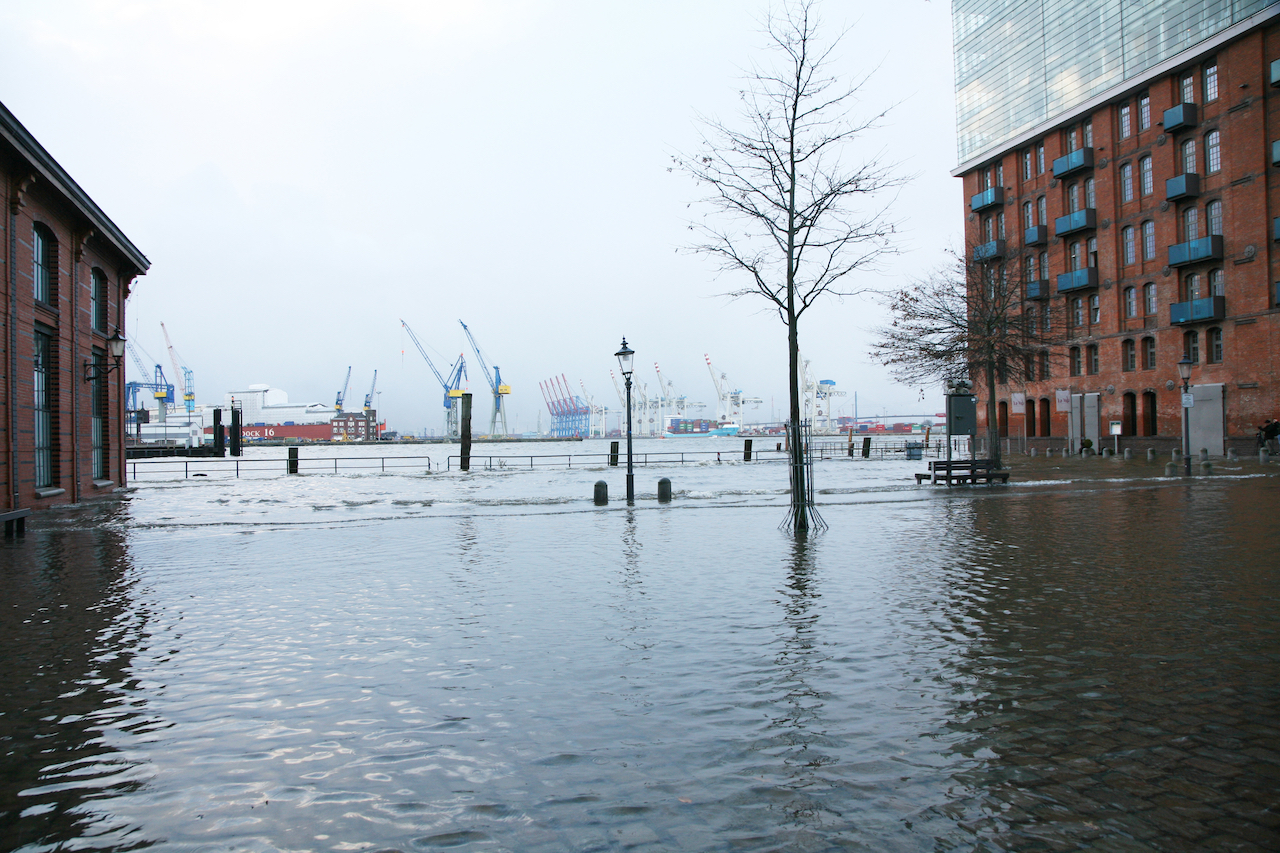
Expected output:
(452, 386)
(160, 388)
(368, 398)
(495, 384)
(342, 395)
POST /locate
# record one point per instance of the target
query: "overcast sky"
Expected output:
(303, 175)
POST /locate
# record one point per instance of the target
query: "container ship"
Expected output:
(700, 426)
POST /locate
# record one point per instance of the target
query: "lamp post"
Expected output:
(626, 357)
(1184, 371)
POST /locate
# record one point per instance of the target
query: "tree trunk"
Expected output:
(993, 426)
(799, 490)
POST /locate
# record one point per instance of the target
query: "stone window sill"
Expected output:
(50, 493)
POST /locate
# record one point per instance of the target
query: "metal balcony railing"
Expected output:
(1081, 158)
(1193, 251)
(1196, 310)
(1081, 220)
(1080, 279)
(1183, 186)
(987, 198)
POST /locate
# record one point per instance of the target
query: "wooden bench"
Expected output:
(15, 522)
(962, 472)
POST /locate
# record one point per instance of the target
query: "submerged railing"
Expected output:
(199, 467)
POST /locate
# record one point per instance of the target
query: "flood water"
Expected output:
(486, 661)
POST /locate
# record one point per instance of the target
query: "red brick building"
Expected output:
(1143, 224)
(66, 274)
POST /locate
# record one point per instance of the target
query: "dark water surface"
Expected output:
(1039, 668)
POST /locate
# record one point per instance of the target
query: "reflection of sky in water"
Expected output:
(336, 663)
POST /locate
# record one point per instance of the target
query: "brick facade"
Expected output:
(1209, 128)
(71, 308)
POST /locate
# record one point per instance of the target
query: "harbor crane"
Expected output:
(342, 394)
(669, 398)
(188, 377)
(729, 400)
(452, 386)
(160, 389)
(499, 417)
(368, 398)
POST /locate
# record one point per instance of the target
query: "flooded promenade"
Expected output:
(1085, 659)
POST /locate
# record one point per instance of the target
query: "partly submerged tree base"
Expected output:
(803, 516)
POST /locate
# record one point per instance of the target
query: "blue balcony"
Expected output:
(1038, 289)
(1081, 220)
(1275, 72)
(1036, 235)
(1275, 229)
(1211, 308)
(1193, 251)
(1078, 280)
(987, 198)
(1181, 117)
(1275, 152)
(1081, 158)
(1183, 186)
(989, 251)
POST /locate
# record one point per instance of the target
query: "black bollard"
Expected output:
(664, 490)
(235, 432)
(466, 432)
(613, 454)
(602, 492)
(746, 450)
(219, 437)
(293, 460)
(866, 447)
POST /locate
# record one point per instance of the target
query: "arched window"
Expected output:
(1149, 298)
(1191, 287)
(1191, 224)
(1092, 355)
(1090, 196)
(1000, 225)
(1126, 121)
(1044, 364)
(1148, 240)
(1212, 152)
(44, 248)
(1126, 182)
(1189, 156)
(1092, 246)
(1031, 321)
(1028, 215)
(1026, 164)
(1044, 417)
(1074, 255)
(1213, 217)
(1148, 353)
(1128, 355)
(98, 299)
(1187, 84)
(1131, 302)
(1191, 345)
(1128, 244)
(1077, 311)
(1095, 309)
(1211, 80)
(1146, 178)
(1074, 355)
(1042, 208)
(1144, 111)
(1073, 198)
(1217, 283)
(1028, 368)
(1213, 345)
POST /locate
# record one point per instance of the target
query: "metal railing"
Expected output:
(198, 467)
(603, 460)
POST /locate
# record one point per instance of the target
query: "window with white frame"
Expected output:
(1189, 157)
(1217, 283)
(1128, 245)
(1191, 224)
(1148, 353)
(1131, 301)
(1213, 345)
(1212, 152)
(1095, 309)
(1146, 179)
(1211, 81)
(1126, 182)
(1213, 217)
(1144, 111)
(1148, 240)
(1187, 88)
(1149, 298)
(1126, 121)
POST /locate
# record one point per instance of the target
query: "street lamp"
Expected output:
(1184, 371)
(115, 348)
(626, 357)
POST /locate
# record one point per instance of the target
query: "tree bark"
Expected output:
(993, 426)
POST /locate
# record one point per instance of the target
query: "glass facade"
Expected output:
(1021, 62)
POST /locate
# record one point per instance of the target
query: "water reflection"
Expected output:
(68, 700)
(1115, 673)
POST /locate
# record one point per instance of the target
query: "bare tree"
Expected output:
(787, 209)
(964, 321)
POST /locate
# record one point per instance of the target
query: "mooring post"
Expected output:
(664, 488)
(746, 450)
(602, 492)
(293, 460)
(866, 447)
(466, 432)
(219, 437)
(235, 434)
(613, 454)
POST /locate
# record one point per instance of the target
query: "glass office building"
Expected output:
(1021, 63)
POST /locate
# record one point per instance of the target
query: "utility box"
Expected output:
(962, 414)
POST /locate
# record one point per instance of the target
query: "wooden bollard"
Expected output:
(664, 490)
(602, 493)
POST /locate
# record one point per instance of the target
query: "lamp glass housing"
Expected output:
(115, 344)
(1184, 368)
(626, 357)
